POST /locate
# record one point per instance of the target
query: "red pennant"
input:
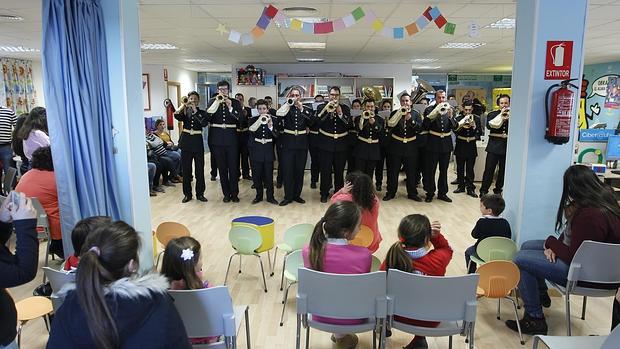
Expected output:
(440, 21)
(271, 11)
(427, 13)
(323, 28)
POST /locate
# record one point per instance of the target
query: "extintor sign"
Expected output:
(559, 60)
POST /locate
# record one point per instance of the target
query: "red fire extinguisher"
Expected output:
(559, 118)
(169, 113)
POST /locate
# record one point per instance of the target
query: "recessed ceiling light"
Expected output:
(307, 45)
(426, 67)
(310, 59)
(463, 45)
(198, 60)
(504, 23)
(18, 49)
(424, 60)
(11, 18)
(298, 9)
(158, 47)
(312, 19)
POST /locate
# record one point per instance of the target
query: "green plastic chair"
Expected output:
(376, 264)
(295, 238)
(245, 240)
(494, 248)
(293, 261)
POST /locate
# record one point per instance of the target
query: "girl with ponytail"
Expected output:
(108, 306)
(420, 249)
(329, 251)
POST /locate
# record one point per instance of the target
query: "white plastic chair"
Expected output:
(341, 296)
(245, 240)
(293, 261)
(449, 300)
(57, 278)
(209, 312)
(295, 237)
(42, 222)
(595, 262)
(579, 342)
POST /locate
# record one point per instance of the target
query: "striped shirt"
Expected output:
(7, 122)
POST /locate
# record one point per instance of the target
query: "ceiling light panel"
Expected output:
(463, 45)
(424, 60)
(306, 60)
(10, 18)
(18, 49)
(504, 23)
(198, 60)
(158, 46)
(307, 45)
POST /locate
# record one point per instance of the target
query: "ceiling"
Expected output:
(191, 25)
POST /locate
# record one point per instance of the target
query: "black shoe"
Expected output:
(272, 201)
(234, 199)
(159, 189)
(417, 343)
(299, 200)
(388, 333)
(444, 197)
(529, 325)
(323, 199)
(213, 179)
(472, 193)
(483, 193)
(226, 199)
(152, 193)
(43, 290)
(256, 200)
(247, 177)
(378, 187)
(312, 185)
(428, 199)
(278, 185)
(497, 191)
(285, 202)
(168, 184)
(388, 197)
(186, 199)
(455, 182)
(253, 186)
(201, 198)
(459, 190)
(545, 300)
(416, 198)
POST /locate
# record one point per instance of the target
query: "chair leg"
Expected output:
(262, 271)
(514, 304)
(374, 338)
(270, 265)
(384, 325)
(471, 335)
(233, 339)
(567, 301)
(282, 277)
(239, 264)
(275, 256)
(158, 257)
(19, 334)
(583, 308)
(535, 343)
(228, 268)
(307, 337)
(284, 304)
(450, 342)
(47, 323)
(499, 305)
(298, 333)
(247, 327)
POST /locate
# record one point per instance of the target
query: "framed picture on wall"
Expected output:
(146, 92)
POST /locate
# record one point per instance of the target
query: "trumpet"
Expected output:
(440, 109)
(506, 112)
(220, 98)
(290, 101)
(184, 102)
(404, 110)
(467, 121)
(367, 114)
(264, 119)
(329, 108)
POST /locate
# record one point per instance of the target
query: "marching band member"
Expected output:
(243, 135)
(315, 163)
(439, 122)
(334, 122)
(191, 145)
(468, 131)
(223, 114)
(260, 144)
(383, 143)
(356, 104)
(277, 144)
(369, 127)
(497, 123)
(294, 120)
(404, 124)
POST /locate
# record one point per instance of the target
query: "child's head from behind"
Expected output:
(182, 261)
(414, 231)
(341, 221)
(362, 191)
(83, 228)
(492, 205)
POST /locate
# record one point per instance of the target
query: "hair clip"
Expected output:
(401, 239)
(96, 250)
(187, 254)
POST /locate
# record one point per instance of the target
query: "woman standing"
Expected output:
(34, 132)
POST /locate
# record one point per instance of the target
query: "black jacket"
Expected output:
(261, 152)
(224, 136)
(332, 124)
(144, 313)
(363, 149)
(405, 129)
(497, 145)
(466, 138)
(295, 120)
(192, 122)
(15, 269)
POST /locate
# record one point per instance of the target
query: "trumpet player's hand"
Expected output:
(450, 113)
(372, 121)
(228, 103)
(339, 110)
(299, 105)
(270, 124)
(435, 228)
(408, 116)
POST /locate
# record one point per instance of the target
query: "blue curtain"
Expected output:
(77, 95)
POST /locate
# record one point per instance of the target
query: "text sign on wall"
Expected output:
(559, 60)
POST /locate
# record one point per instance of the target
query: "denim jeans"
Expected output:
(471, 250)
(6, 155)
(535, 269)
(151, 168)
(12, 345)
(176, 162)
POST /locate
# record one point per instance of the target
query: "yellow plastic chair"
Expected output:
(295, 238)
(364, 237)
(32, 308)
(167, 231)
(245, 240)
(497, 280)
(266, 227)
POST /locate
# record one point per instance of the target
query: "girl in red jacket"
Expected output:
(421, 249)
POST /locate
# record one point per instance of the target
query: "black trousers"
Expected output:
(365, 166)
(419, 173)
(434, 159)
(262, 176)
(394, 163)
(293, 166)
(227, 159)
(465, 172)
(379, 166)
(198, 159)
(163, 167)
(493, 160)
(213, 163)
(332, 161)
(314, 164)
(279, 154)
(351, 161)
(244, 154)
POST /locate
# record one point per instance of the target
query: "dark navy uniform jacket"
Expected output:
(331, 124)
(363, 149)
(224, 123)
(497, 145)
(261, 151)
(405, 130)
(295, 120)
(193, 122)
(466, 138)
(441, 125)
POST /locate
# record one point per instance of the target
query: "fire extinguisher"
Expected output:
(559, 118)
(169, 113)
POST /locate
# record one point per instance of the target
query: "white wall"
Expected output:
(37, 80)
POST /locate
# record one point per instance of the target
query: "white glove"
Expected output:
(5, 215)
(25, 210)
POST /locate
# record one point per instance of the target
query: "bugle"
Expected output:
(440, 109)
(329, 108)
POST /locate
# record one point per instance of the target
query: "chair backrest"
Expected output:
(58, 278)
(364, 237)
(245, 239)
(42, 221)
(341, 296)
(613, 340)
(206, 312)
(376, 263)
(294, 261)
(437, 298)
(496, 248)
(9, 178)
(596, 262)
(298, 235)
(167, 231)
(498, 278)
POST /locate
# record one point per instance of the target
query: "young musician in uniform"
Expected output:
(367, 151)
(294, 120)
(497, 123)
(262, 135)
(334, 121)
(468, 131)
(243, 135)
(439, 122)
(192, 147)
(277, 144)
(404, 124)
(383, 143)
(224, 114)
(356, 104)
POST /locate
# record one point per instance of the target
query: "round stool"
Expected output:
(265, 227)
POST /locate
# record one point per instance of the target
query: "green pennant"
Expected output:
(449, 28)
(358, 13)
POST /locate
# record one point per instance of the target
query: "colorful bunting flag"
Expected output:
(427, 13)
(296, 24)
(440, 21)
(323, 28)
(307, 27)
(377, 25)
(387, 32)
(271, 11)
(358, 13)
(234, 36)
(257, 32)
(434, 13)
(449, 28)
(263, 22)
(399, 33)
(411, 29)
(246, 39)
(348, 20)
(422, 22)
(339, 24)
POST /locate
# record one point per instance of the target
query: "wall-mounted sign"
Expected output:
(559, 58)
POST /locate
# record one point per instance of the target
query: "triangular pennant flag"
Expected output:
(440, 21)
(411, 29)
(358, 13)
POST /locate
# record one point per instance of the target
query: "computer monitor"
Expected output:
(613, 148)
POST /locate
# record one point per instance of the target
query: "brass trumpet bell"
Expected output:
(420, 92)
(290, 101)
(372, 93)
(184, 100)
(404, 110)
(367, 114)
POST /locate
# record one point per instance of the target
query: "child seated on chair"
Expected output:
(413, 254)
(490, 224)
(182, 265)
(78, 236)
(329, 251)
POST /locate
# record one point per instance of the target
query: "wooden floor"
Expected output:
(209, 223)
